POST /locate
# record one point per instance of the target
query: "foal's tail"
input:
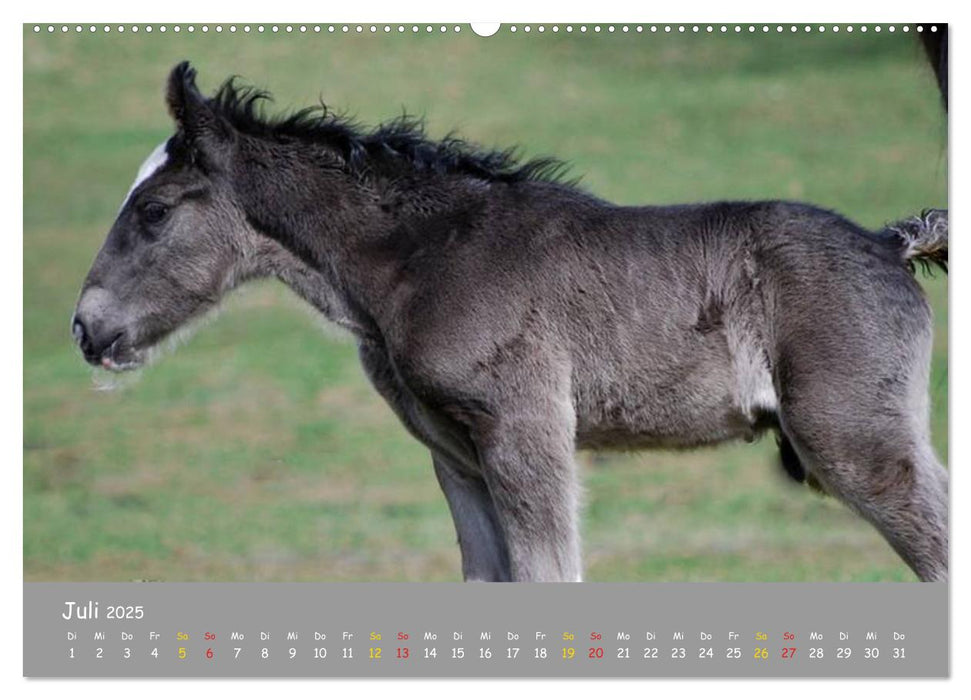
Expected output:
(923, 239)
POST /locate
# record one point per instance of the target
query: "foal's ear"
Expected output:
(206, 133)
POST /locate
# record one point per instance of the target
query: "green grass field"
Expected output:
(259, 451)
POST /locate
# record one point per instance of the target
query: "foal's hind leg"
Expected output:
(868, 445)
(903, 494)
(851, 353)
(484, 555)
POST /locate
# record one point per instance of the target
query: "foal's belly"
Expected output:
(688, 405)
(633, 430)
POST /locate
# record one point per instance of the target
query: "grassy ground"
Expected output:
(259, 452)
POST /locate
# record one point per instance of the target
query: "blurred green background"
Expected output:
(259, 451)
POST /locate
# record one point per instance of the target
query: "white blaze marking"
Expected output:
(156, 160)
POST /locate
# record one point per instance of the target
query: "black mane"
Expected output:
(402, 139)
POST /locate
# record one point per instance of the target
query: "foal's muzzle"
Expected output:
(94, 346)
(99, 330)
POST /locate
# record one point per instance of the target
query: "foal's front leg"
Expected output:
(528, 463)
(484, 554)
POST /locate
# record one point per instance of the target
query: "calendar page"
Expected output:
(485, 350)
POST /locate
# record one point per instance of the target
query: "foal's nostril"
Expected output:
(77, 330)
(82, 336)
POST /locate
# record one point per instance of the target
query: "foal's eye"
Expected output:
(154, 212)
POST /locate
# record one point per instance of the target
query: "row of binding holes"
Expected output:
(428, 29)
(711, 29)
(258, 28)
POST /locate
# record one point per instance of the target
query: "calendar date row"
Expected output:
(458, 653)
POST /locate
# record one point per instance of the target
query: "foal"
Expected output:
(509, 317)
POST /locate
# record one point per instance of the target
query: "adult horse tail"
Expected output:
(922, 239)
